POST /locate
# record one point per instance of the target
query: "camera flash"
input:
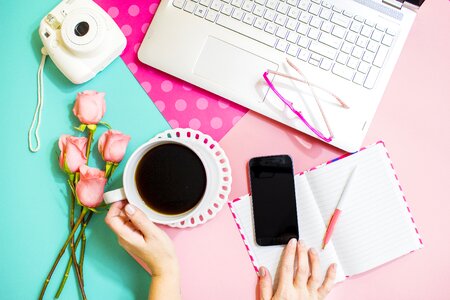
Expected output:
(53, 22)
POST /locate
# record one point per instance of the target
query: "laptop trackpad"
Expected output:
(234, 69)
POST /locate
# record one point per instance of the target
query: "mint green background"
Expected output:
(33, 221)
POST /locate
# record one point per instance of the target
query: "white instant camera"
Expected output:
(81, 39)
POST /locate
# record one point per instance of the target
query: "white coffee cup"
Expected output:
(131, 193)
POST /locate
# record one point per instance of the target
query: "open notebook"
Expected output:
(375, 227)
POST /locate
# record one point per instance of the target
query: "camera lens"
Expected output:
(81, 28)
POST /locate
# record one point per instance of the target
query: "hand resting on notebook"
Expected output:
(301, 282)
(143, 239)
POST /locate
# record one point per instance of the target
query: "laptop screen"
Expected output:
(416, 2)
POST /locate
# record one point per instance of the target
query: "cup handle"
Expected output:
(114, 196)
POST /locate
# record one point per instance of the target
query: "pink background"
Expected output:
(412, 120)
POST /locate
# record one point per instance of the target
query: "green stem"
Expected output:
(72, 181)
(71, 212)
(69, 263)
(108, 167)
(77, 271)
(72, 207)
(89, 144)
(61, 252)
(71, 216)
(105, 124)
(83, 247)
(113, 169)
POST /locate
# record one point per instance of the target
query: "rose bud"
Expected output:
(89, 107)
(112, 145)
(73, 152)
(91, 186)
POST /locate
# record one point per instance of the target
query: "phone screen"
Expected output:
(274, 201)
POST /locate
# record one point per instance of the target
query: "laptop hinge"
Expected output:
(394, 3)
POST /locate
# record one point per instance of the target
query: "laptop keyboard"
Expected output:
(315, 31)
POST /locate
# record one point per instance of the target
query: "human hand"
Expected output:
(140, 237)
(301, 283)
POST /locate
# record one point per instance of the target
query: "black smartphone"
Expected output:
(274, 201)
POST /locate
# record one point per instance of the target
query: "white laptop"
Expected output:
(225, 46)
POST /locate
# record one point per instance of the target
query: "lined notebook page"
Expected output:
(311, 228)
(375, 225)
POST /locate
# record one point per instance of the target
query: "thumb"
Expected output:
(140, 220)
(265, 284)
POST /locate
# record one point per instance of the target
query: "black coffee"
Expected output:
(171, 179)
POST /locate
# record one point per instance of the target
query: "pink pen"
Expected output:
(338, 209)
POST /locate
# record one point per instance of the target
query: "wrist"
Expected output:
(166, 270)
(165, 287)
(170, 279)
(173, 273)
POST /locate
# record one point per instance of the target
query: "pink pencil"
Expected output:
(338, 209)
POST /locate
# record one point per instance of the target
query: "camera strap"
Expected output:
(35, 124)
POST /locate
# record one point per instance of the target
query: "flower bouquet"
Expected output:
(86, 183)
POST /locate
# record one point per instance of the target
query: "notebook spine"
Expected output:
(236, 220)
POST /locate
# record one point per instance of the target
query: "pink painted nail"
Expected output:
(130, 210)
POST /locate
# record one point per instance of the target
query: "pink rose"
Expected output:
(89, 107)
(73, 152)
(91, 186)
(112, 145)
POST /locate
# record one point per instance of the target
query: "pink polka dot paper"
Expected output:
(182, 104)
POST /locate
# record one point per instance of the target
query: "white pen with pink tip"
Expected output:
(339, 209)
